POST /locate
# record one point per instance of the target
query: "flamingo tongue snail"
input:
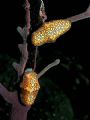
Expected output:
(50, 31)
(29, 88)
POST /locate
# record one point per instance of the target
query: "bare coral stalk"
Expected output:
(19, 111)
(19, 67)
(42, 12)
(56, 62)
(7, 95)
(24, 32)
(27, 8)
(43, 16)
(35, 60)
(81, 16)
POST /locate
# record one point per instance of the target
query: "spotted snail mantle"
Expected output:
(29, 88)
(50, 31)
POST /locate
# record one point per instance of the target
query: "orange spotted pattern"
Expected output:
(29, 88)
(50, 31)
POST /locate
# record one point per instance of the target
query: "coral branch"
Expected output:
(81, 16)
(19, 111)
(23, 33)
(35, 60)
(27, 8)
(56, 62)
(21, 66)
(42, 12)
(7, 95)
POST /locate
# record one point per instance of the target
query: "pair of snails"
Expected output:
(47, 33)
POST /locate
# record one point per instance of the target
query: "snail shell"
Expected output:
(29, 88)
(50, 31)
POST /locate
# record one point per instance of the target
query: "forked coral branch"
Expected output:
(24, 32)
(19, 67)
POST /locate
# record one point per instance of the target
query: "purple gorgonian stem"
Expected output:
(18, 111)
(55, 63)
(27, 8)
(80, 16)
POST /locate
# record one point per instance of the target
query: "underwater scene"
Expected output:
(44, 60)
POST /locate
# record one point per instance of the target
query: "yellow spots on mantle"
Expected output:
(29, 88)
(50, 31)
